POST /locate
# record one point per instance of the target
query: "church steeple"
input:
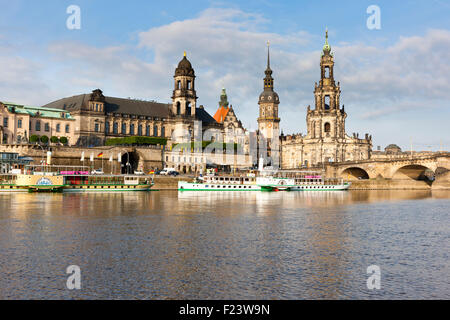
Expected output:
(268, 80)
(268, 120)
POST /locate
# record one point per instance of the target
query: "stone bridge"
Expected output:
(433, 167)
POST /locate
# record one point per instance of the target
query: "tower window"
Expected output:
(327, 127)
(178, 85)
(327, 72)
(178, 108)
(189, 84)
(327, 103)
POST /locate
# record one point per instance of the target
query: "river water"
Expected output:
(226, 245)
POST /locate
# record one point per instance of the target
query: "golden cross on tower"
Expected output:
(184, 53)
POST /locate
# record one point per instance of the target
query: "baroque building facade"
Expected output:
(326, 139)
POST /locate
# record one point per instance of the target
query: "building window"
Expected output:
(19, 123)
(115, 128)
(140, 130)
(5, 122)
(147, 130)
(327, 127)
(47, 127)
(97, 127)
(163, 131)
(67, 128)
(38, 125)
(58, 127)
(178, 108)
(96, 107)
(155, 131)
(124, 128)
(326, 101)
(107, 127)
(132, 128)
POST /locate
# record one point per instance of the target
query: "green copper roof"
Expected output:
(38, 111)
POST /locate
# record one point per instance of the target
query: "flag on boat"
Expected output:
(100, 155)
(82, 156)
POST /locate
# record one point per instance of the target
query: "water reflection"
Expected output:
(230, 245)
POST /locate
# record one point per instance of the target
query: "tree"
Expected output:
(44, 139)
(34, 138)
(54, 139)
(63, 140)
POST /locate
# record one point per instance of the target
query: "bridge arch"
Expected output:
(413, 172)
(354, 173)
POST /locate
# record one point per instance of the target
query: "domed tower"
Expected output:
(327, 120)
(268, 120)
(184, 97)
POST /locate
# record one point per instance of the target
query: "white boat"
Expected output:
(265, 182)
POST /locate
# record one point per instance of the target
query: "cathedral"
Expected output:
(326, 139)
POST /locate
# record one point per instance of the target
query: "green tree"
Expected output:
(54, 139)
(34, 138)
(44, 139)
(63, 140)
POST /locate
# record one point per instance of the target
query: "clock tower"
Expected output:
(268, 120)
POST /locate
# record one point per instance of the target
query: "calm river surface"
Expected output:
(231, 245)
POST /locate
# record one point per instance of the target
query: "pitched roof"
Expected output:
(115, 105)
(221, 113)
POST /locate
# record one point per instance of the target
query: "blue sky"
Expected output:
(394, 81)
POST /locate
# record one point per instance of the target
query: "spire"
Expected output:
(326, 47)
(268, 80)
(184, 53)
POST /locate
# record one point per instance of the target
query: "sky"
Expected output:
(395, 81)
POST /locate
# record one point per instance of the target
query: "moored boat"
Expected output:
(72, 181)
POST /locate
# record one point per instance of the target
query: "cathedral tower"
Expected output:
(268, 120)
(184, 97)
(327, 120)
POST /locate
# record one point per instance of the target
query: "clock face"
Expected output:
(269, 97)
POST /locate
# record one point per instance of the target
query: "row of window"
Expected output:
(132, 129)
(46, 126)
(37, 125)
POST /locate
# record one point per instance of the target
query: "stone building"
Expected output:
(18, 123)
(98, 117)
(326, 139)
